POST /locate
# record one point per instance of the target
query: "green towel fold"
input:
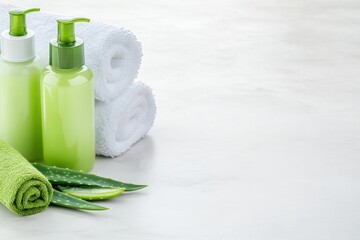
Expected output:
(23, 189)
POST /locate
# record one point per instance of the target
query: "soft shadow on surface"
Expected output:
(5, 212)
(79, 212)
(132, 165)
(144, 148)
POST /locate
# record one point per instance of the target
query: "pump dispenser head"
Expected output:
(66, 29)
(18, 21)
(67, 51)
(17, 42)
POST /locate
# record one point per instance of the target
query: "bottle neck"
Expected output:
(69, 70)
(23, 62)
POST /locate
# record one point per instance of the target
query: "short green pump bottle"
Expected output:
(20, 74)
(68, 118)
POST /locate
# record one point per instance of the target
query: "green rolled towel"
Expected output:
(23, 189)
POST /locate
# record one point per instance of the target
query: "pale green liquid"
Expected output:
(20, 110)
(68, 118)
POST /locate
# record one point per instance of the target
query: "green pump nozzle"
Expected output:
(66, 30)
(18, 21)
(67, 51)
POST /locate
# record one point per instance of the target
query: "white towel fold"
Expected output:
(113, 54)
(117, 55)
(125, 120)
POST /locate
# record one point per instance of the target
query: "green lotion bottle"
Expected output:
(68, 118)
(20, 74)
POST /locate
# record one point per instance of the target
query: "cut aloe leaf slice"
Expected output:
(67, 201)
(67, 177)
(92, 193)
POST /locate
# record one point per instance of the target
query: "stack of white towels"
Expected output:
(125, 110)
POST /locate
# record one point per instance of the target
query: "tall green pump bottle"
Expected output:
(20, 73)
(68, 118)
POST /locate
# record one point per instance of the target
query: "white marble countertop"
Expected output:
(258, 127)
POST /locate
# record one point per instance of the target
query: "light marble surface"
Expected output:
(257, 134)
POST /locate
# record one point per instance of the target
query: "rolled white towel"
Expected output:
(113, 54)
(117, 57)
(123, 121)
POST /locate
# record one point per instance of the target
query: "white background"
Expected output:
(257, 134)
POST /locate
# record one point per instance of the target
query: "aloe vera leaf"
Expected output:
(92, 193)
(67, 177)
(56, 187)
(67, 201)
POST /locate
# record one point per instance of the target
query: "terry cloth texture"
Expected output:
(23, 189)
